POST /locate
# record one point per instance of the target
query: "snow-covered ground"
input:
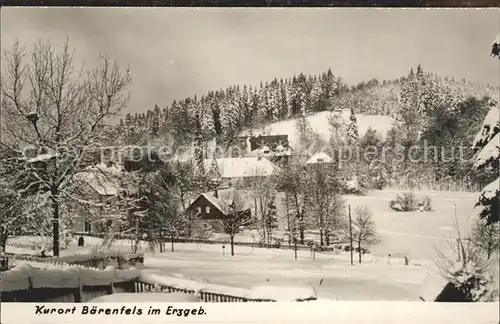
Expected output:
(375, 280)
(415, 235)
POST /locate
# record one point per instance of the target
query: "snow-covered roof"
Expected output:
(285, 152)
(320, 157)
(243, 167)
(213, 200)
(99, 182)
(222, 194)
(281, 292)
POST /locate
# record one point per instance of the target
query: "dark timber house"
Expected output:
(209, 207)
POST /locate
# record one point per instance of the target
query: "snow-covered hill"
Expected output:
(319, 123)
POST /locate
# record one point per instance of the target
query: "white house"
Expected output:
(243, 167)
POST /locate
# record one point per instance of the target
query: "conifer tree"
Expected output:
(488, 147)
(207, 120)
(198, 154)
(271, 218)
(352, 129)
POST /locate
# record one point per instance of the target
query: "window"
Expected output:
(87, 227)
(198, 209)
(207, 210)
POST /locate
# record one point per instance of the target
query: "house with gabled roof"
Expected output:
(209, 207)
(237, 170)
(96, 186)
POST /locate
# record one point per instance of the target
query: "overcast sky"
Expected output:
(178, 52)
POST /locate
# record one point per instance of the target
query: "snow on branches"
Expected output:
(487, 142)
(489, 128)
(60, 109)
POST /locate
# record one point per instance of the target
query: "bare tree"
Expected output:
(364, 228)
(486, 237)
(324, 198)
(263, 189)
(293, 181)
(235, 216)
(60, 110)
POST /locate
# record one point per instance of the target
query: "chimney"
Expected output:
(216, 193)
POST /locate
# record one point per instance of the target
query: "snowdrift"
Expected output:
(182, 283)
(16, 279)
(62, 276)
(283, 292)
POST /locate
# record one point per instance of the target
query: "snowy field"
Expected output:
(413, 234)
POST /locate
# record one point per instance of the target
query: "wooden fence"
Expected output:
(300, 247)
(204, 295)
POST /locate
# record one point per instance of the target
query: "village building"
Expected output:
(273, 147)
(94, 187)
(239, 172)
(211, 207)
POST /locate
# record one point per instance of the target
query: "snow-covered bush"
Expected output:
(471, 272)
(473, 278)
(353, 186)
(425, 205)
(408, 202)
(405, 203)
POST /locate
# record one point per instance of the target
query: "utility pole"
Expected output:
(295, 240)
(286, 203)
(295, 247)
(350, 235)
